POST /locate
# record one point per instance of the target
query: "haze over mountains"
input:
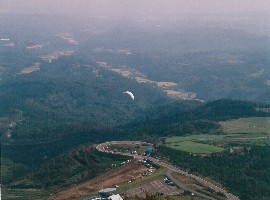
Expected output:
(64, 66)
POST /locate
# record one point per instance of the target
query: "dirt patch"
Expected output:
(143, 80)
(183, 178)
(120, 175)
(169, 87)
(35, 67)
(69, 38)
(124, 73)
(174, 92)
(166, 84)
(180, 95)
(55, 55)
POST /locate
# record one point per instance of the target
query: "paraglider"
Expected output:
(130, 94)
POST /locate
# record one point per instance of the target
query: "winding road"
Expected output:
(170, 168)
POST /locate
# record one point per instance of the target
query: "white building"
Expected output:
(107, 192)
(115, 197)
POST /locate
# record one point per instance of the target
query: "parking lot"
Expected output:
(153, 187)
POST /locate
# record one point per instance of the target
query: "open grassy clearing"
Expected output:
(197, 138)
(194, 147)
(22, 194)
(196, 143)
(207, 144)
(247, 125)
(257, 141)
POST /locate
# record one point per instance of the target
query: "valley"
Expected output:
(197, 127)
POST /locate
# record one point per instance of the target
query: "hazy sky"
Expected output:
(132, 8)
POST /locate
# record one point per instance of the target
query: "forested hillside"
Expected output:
(62, 84)
(185, 117)
(64, 93)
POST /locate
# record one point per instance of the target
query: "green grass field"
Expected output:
(195, 147)
(22, 194)
(197, 138)
(247, 125)
(207, 144)
(197, 143)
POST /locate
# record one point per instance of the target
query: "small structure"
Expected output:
(107, 192)
(115, 197)
(148, 150)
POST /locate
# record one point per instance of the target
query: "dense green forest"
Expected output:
(49, 99)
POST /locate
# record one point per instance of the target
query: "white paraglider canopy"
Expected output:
(130, 94)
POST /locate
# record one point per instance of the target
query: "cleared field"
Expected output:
(22, 194)
(207, 144)
(194, 147)
(35, 67)
(124, 73)
(143, 80)
(166, 84)
(196, 143)
(247, 125)
(197, 138)
(115, 177)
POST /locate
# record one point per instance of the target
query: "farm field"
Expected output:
(247, 125)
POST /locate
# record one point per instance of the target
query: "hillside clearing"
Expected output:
(247, 125)
(115, 177)
(194, 147)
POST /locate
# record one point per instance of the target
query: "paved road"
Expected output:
(171, 168)
(183, 186)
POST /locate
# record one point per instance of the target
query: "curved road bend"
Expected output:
(170, 168)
